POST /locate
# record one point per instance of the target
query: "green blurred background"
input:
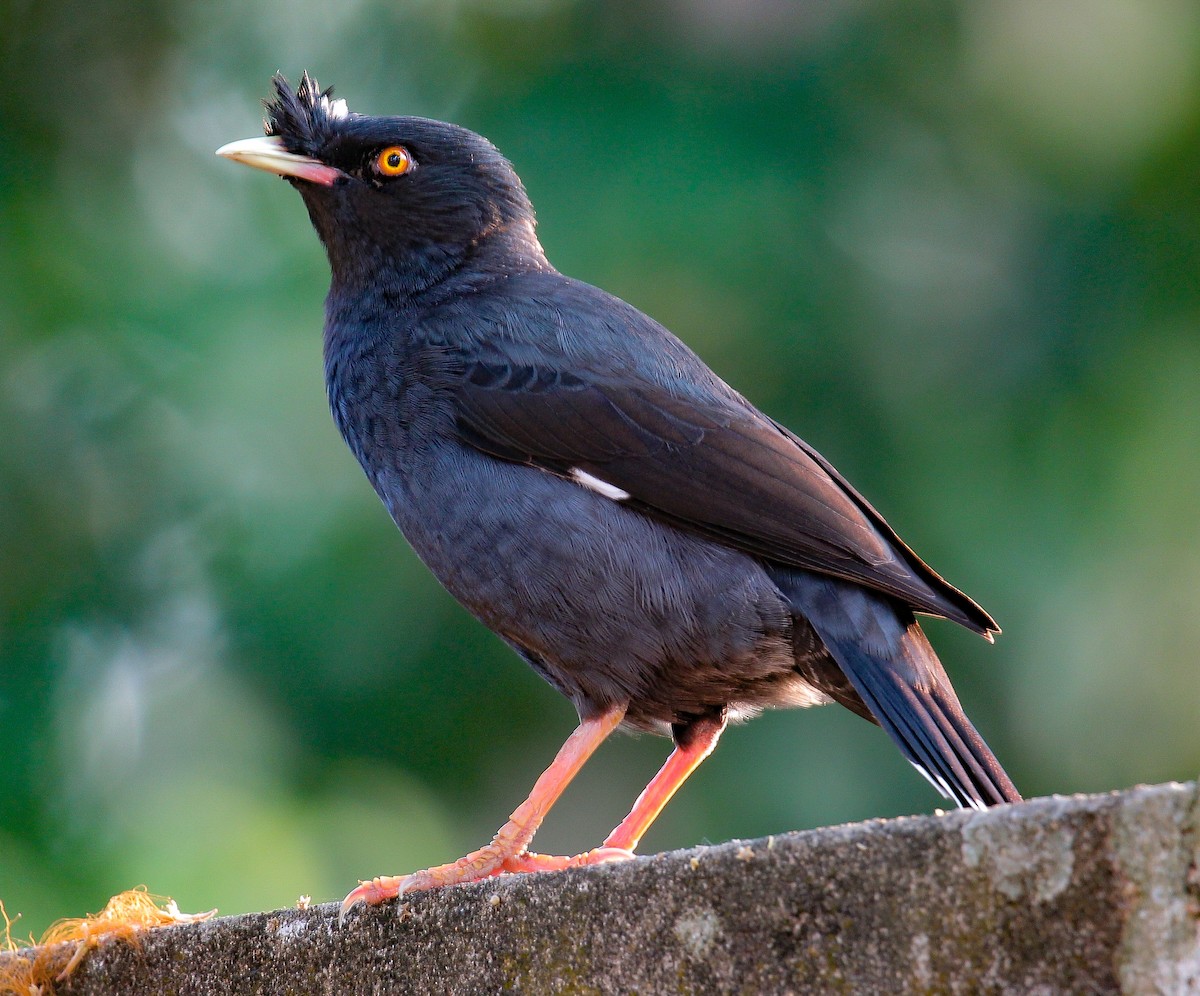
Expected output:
(954, 245)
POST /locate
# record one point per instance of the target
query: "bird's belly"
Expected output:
(610, 606)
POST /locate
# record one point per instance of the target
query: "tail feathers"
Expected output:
(932, 732)
(889, 662)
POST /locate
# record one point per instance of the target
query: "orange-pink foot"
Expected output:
(484, 863)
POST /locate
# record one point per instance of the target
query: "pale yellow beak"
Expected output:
(268, 153)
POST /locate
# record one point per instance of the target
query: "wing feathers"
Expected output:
(699, 460)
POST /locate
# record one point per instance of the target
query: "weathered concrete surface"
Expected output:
(1088, 894)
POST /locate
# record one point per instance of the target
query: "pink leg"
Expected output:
(683, 761)
(507, 851)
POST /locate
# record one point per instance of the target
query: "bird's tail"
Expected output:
(885, 655)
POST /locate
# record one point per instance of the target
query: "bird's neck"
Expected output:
(373, 302)
(422, 274)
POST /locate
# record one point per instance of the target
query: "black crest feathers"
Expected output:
(305, 117)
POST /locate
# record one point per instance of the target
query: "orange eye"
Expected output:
(393, 161)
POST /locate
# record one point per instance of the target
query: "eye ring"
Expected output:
(395, 160)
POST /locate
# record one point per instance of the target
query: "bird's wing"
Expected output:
(707, 463)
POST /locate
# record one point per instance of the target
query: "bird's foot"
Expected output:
(483, 863)
(528, 861)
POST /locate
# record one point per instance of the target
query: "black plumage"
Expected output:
(652, 544)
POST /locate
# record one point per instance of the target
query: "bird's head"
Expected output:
(403, 195)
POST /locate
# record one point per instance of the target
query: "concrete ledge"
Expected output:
(1089, 894)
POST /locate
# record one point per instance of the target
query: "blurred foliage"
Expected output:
(954, 245)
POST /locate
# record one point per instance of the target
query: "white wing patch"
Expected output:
(597, 485)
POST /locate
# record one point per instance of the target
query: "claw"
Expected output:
(476, 866)
(373, 892)
(484, 863)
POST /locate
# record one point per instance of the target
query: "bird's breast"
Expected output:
(380, 403)
(616, 607)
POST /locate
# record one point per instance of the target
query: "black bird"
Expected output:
(660, 551)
